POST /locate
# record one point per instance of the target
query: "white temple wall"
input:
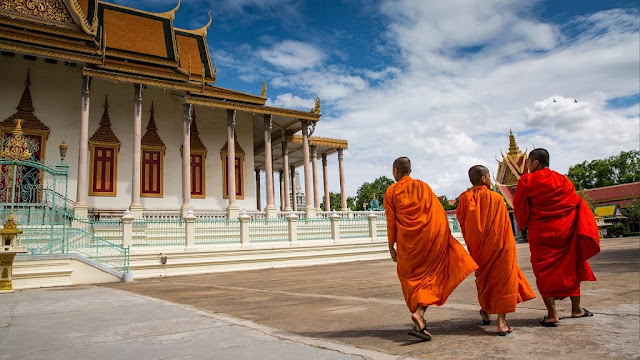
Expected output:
(56, 93)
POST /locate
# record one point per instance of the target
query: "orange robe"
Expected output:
(486, 228)
(562, 232)
(431, 263)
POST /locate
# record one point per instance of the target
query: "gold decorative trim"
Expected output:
(116, 149)
(212, 103)
(49, 41)
(318, 141)
(145, 72)
(45, 27)
(165, 15)
(5, 285)
(163, 84)
(59, 19)
(203, 183)
(32, 50)
(77, 10)
(142, 58)
(162, 154)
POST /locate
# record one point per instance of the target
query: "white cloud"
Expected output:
(448, 110)
(292, 55)
(291, 101)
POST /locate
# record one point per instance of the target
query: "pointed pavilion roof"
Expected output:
(514, 150)
(105, 134)
(196, 143)
(25, 112)
(225, 148)
(151, 137)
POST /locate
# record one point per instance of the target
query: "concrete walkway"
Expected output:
(102, 323)
(337, 311)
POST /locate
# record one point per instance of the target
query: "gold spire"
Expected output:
(263, 91)
(513, 146)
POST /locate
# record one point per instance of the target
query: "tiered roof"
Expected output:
(105, 134)
(151, 137)
(510, 169)
(26, 113)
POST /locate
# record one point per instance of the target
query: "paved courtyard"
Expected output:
(340, 311)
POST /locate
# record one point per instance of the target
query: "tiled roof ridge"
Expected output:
(613, 186)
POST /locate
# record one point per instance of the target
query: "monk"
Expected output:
(487, 231)
(431, 263)
(562, 234)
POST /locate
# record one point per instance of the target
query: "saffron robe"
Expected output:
(486, 228)
(562, 232)
(431, 263)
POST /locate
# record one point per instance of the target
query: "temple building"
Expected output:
(135, 100)
(510, 169)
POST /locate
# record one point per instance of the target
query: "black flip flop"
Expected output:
(504, 333)
(544, 323)
(420, 334)
(485, 322)
(587, 313)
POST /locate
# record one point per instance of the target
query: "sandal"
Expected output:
(504, 333)
(587, 313)
(421, 334)
(544, 323)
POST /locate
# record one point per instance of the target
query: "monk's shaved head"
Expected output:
(540, 154)
(476, 173)
(403, 164)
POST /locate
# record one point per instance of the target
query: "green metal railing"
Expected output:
(314, 229)
(158, 232)
(354, 228)
(268, 230)
(212, 230)
(101, 251)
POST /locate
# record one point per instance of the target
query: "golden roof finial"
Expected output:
(316, 109)
(171, 14)
(203, 30)
(18, 129)
(513, 146)
(263, 91)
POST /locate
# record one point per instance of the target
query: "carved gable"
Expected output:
(54, 10)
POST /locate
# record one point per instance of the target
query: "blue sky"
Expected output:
(439, 81)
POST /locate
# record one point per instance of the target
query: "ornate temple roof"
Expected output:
(512, 166)
(151, 137)
(26, 112)
(105, 134)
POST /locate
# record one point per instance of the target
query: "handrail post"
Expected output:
(189, 231)
(373, 229)
(335, 227)
(127, 229)
(244, 228)
(293, 228)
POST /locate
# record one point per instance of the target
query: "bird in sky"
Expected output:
(554, 100)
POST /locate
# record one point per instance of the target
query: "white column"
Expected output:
(343, 192)
(316, 186)
(285, 169)
(81, 208)
(325, 178)
(281, 178)
(186, 159)
(258, 199)
(270, 210)
(294, 190)
(135, 207)
(232, 208)
(307, 171)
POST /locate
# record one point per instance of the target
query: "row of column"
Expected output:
(310, 155)
(135, 207)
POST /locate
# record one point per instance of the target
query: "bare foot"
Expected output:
(503, 331)
(420, 324)
(583, 313)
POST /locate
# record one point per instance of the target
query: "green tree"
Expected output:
(632, 212)
(619, 169)
(445, 203)
(369, 191)
(335, 202)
